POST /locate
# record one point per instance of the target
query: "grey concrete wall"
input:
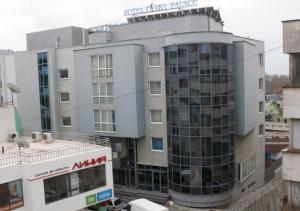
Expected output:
(69, 37)
(296, 133)
(291, 36)
(150, 29)
(245, 87)
(251, 143)
(127, 78)
(28, 100)
(199, 37)
(64, 60)
(100, 37)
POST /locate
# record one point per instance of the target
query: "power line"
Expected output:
(147, 89)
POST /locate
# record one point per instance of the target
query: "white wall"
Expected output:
(33, 183)
(7, 122)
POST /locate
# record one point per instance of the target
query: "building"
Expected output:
(51, 174)
(181, 100)
(277, 139)
(291, 108)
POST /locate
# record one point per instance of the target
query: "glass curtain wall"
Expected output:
(44, 91)
(200, 119)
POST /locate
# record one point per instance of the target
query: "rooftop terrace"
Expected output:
(42, 151)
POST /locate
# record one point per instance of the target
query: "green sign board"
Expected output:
(91, 199)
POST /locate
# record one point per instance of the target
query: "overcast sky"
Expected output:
(259, 19)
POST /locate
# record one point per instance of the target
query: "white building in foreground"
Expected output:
(291, 111)
(54, 174)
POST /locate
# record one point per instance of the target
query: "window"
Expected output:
(152, 178)
(154, 59)
(58, 43)
(156, 116)
(155, 87)
(64, 97)
(67, 185)
(103, 93)
(261, 130)
(157, 144)
(42, 59)
(261, 84)
(63, 74)
(11, 195)
(246, 168)
(105, 121)
(102, 66)
(261, 106)
(261, 59)
(66, 122)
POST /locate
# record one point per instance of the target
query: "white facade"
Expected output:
(42, 161)
(7, 124)
(291, 106)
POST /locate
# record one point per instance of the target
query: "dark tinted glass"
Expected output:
(200, 119)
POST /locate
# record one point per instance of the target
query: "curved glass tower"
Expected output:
(200, 122)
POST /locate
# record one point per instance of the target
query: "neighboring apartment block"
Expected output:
(181, 101)
(291, 111)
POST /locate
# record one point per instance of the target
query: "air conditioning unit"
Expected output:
(36, 136)
(48, 137)
(12, 136)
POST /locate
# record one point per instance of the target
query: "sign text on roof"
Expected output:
(161, 7)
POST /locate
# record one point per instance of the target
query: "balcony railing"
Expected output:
(23, 157)
(89, 143)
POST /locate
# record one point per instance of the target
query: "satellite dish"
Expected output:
(21, 143)
(13, 88)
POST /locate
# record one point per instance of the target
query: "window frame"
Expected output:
(247, 168)
(107, 70)
(82, 173)
(108, 98)
(58, 42)
(62, 121)
(156, 123)
(261, 107)
(261, 84)
(101, 122)
(17, 206)
(157, 150)
(261, 131)
(64, 69)
(149, 59)
(261, 59)
(150, 88)
(60, 97)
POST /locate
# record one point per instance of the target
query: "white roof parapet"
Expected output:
(34, 157)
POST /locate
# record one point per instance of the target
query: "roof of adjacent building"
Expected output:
(277, 139)
(275, 148)
(291, 20)
(41, 150)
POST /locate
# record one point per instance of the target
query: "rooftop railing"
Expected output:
(89, 143)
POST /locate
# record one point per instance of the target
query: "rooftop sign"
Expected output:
(102, 28)
(161, 7)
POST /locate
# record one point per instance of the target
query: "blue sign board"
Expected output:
(104, 195)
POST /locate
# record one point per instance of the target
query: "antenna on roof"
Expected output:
(14, 89)
(20, 142)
